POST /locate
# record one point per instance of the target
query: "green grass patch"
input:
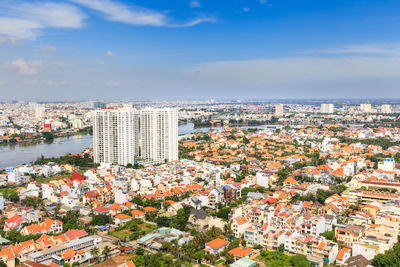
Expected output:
(122, 234)
(219, 261)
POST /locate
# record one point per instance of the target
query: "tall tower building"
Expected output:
(386, 108)
(39, 112)
(279, 110)
(159, 134)
(327, 108)
(115, 135)
(366, 108)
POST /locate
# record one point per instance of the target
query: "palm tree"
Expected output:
(106, 251)
(95, 252)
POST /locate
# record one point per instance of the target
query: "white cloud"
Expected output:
(135, 15)
(378, 49)
(194, 4)
(194, 22)
(49, 48)
(19, 28)
(298, 70)
(246, 9)
(50, 14)
(109, 53)
(24, 67)
(115, 11)
(9, 40)
(25, 20)
(263, 1)
(112, 84)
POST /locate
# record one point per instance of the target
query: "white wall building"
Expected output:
(159, 134)
(386, 108)
(366, 108)
(279, 110)
(115, 136)
(327, 108)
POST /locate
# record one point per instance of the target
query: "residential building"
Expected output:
(279, 110)
(115, 136)
(159, 134)
(327, 108)
(216, 246)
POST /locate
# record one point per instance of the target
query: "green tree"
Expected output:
(48, 136)
(138, 261)
(106, 251)
(283, 173)
(139, 251)
(299, 261)
(101, 219)
(390, 258)
(95, 252)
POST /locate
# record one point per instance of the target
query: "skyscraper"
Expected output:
(159, 134)
(386, 108)
(327, 108)
(115, 135)
(279, 110)
(366, 108)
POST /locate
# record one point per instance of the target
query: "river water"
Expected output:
(14, 155)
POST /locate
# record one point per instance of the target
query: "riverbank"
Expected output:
(50, 138)
(21, 153)
(28, 152)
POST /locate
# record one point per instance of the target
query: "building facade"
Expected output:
(116, 136)
(159, 134)
(327, 108)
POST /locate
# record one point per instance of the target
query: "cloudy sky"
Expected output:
(183, 49)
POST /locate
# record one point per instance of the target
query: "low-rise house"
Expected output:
(71, 256)
(199, 218)
(239, 252)
(13, 223)
(122, 218)
(49, 226)
(138, 214)
(216, 246)
(348, 235)
(343, 255)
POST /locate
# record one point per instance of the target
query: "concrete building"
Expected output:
(327, 108)
(386, 108)
(279, 110)
(159, 134)
(115, 136)
(366, 108)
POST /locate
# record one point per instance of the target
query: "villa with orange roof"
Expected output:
(49, 226)
(216, 246)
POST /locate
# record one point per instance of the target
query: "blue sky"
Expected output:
(149, 49)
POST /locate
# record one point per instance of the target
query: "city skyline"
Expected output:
(78, 49)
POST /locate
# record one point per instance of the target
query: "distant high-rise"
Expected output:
(115, 136)
(366, 108)
(159, 134)
(327, 108)
(40, 112)
(279, 110)
(386, 108)
(99, 104)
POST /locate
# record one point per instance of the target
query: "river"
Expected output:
(14, 155)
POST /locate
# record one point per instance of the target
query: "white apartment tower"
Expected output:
(159, 134)
(386, 108)
(366, 108)
(327, 108)
(279, 110)
(115, 135)
(40, 112)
